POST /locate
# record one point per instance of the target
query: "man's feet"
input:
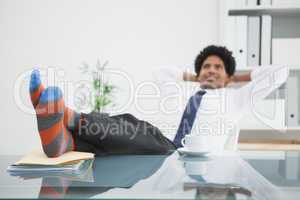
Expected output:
(55, 137)
(54, 119)
(71, 118)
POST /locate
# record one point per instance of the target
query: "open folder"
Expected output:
(37, 162)
(38, 157)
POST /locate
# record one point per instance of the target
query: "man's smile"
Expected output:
(211, 79)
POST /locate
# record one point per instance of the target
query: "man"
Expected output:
(221, 107)
(62, 129)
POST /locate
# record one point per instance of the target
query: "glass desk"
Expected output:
(156, 177)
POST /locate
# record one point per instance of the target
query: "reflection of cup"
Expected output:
(195, 143)
(196, 168)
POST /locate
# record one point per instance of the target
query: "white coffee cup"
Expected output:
(195, 143)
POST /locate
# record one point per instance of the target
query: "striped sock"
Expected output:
(55, 137)
(71, 118)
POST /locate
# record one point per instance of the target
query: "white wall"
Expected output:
(134, 35)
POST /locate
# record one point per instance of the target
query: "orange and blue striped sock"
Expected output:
(71, 118)
(55, 137)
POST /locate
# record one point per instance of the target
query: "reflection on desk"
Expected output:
(148, 177)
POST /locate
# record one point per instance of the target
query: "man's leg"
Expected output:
(122, 134)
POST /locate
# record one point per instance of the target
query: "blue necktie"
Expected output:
(188, 117)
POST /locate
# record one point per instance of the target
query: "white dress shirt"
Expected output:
(221, 109)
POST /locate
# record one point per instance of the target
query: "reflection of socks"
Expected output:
(71, 118)
(54, 187)
(56, 139)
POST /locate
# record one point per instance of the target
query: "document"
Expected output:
(38, 157)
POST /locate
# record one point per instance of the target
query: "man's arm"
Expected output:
(264, 80)
(168, 79)
(241, 78)
(167, 74)
(187, 76)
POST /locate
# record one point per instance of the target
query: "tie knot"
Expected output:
(201, 92)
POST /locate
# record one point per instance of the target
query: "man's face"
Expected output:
(213, 74)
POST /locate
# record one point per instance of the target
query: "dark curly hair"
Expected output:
(221, 52)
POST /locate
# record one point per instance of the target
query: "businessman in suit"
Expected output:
(62, 129)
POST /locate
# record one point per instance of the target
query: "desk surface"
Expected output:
(163, 177)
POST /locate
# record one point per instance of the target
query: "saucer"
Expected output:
(188, 152)
(187, 158)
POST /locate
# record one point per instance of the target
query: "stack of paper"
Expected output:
(37, 162)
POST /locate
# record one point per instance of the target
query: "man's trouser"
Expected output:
(119, 135)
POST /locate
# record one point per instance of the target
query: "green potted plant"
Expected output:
(102, 89)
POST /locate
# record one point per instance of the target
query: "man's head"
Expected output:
(214, 67)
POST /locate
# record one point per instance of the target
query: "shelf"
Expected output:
(291, 136)
(266, 10)
(270, 144)
(248, 146)
(294, 128)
